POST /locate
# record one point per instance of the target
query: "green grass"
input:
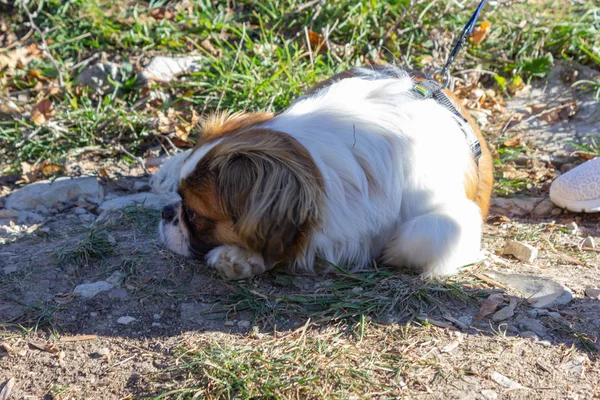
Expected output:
(256, 58)
(92, 247)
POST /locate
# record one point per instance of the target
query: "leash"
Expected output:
(458, 45)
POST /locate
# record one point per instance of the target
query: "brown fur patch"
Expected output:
(222, 124)
(266, 189)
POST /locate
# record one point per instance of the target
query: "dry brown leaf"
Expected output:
(162, 13)
(512, 142)
(103, 174)
(42, 112)
(49, 170)
(49, 347)
(30, 172)
(64, 298)
(317, 41)
(481, 32)
(489, 306)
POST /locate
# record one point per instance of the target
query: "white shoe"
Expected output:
(579, 189)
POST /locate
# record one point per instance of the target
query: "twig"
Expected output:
(86, 61)
(139, 160)
(45, 48)
(534, 116)
(431, 4)
(16, 42)
(79, 338)
(312, 62)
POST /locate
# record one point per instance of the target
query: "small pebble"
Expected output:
(125, 320)
(229, 323)
(544, 343)
(156, 324)
(489, 394)
(80, 210)
(93, 314)
(554, 315)
(589, 242)
(529, 335)
(156, 317)
(104, 352)
(512, 329)
(592, 293)
(572, 227)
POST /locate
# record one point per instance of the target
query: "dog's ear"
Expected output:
(270, 187)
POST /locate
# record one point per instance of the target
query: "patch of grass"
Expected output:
(591, 149)
(306, 363)
(145, 219)
(380, 293)
(95, 246)
(34, 318)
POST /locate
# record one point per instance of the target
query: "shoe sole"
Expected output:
(586, 206)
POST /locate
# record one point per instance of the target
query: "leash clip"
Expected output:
(442, 71)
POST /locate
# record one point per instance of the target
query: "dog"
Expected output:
(358, 169)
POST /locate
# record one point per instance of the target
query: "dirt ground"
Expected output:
(57, 345)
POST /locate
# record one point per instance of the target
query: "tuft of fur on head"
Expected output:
(223, 123)
(269, 186)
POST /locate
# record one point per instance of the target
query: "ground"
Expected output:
(167, 327)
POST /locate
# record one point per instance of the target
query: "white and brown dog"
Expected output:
(356, 170)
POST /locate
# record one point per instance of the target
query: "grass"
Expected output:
(95, 246)
(254, 57)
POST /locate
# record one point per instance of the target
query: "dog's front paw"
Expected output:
(234, 262)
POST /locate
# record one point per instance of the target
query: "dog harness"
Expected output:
(431, 89)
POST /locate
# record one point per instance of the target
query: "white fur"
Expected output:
(418, 215)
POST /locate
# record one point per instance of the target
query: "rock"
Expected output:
(156, 317)
(531, 324)
(116, 278)
(93, 314)
(104, 352)
(466, 320)
(592, 293)
(141, 199)
(9, 214)
(87, 218)
(516, 206)
(244, 324)
(229, 323)
(156, 324)
(89, 290)
(29, 217)
(49, 194)
(503, 314)
(589, 242)
(504, 381)
(554, 315)
(195, 312)
(543, 209)
(96, 77)
(140, 186)
(512, 329)
(529, 335)
(489, 394)
(572, 227)
(80, 210)
(165, 69)
(540, 292)
(9, 269)
(521, 251)
(575, 365)
(126, 320)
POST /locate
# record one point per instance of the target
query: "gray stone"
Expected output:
(89, 290)
(529, 335)
(539, 291)
(589, 242)
(575, 365)
(80, 210)
(572, 227)
(87, 218)
(126, 320)
(229, 323)
(521, 251)
(489, 394)
(42, 209)
(156, 317)
(140, 199)
(97, 77)
(9, 214)
(104, 352)
(118, 294)
(466, 320)
(29, 217)
(116, 278)
(592, 293)
(503, 314)
(554, 315)
(531, 324)
(543, 209)
(512, 329)
(49, 194)
(516, 206)
(244, 324)
(165, 69)
(156, 324)
(9, 269)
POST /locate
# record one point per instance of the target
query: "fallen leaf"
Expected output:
(8, 386)
(49, 170)
(103, 174)
(64, 298)
(452, 345)
(162, 13)
(512, 142)
(515, 84)
(481, 32)
(489, 306)
(42, 112)
(316, 41)
(49, 347)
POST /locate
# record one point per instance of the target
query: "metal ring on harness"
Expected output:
(446, 75)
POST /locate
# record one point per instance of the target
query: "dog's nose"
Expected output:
(168, 212)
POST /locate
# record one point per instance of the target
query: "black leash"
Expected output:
(458, 45)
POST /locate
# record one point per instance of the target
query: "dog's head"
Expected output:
(245, 185)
